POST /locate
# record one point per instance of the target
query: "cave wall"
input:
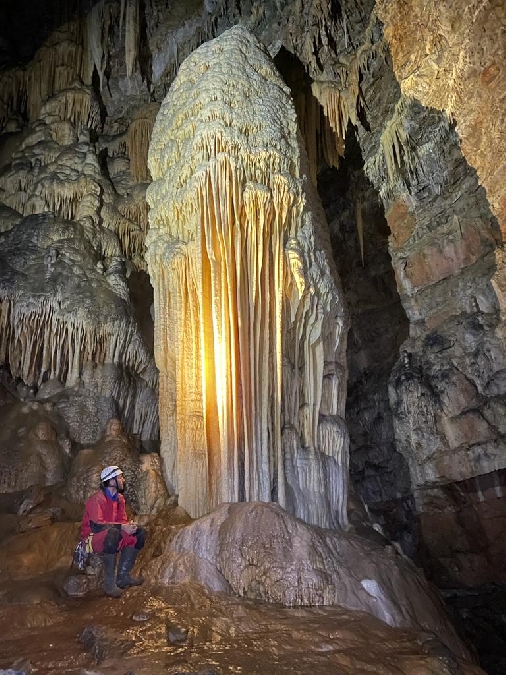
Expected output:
(378, 327)
(447, 390)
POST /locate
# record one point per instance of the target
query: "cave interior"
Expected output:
(267, 238)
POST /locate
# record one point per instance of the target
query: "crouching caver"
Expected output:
(111, 532)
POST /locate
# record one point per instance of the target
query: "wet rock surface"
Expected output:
(73, 216)
(229, 634)
(102, 643)
(262, 552)
(62, 621)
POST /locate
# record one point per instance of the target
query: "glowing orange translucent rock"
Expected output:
(247, 306)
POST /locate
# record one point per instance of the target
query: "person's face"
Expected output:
(120, 483)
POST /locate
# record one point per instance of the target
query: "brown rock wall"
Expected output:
(464, 530)
(451, 56)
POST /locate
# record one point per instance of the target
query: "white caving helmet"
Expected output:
(110, 472)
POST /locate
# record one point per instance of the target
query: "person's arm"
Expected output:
(127, 525)
(122, 516)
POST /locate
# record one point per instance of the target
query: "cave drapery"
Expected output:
(250, 328)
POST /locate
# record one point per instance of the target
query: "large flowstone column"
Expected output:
(250, 328)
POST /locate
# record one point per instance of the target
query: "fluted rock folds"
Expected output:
(250, 328)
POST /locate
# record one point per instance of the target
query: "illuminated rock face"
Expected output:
(250, 330)
(71, 235)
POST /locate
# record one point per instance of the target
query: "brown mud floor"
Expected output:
(225, 635)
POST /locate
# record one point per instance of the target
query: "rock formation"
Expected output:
(250, 325)
(259, 551)
(31, 450)
(114, 448)
(399, 109)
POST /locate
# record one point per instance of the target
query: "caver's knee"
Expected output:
(111, 541)
(140, 535)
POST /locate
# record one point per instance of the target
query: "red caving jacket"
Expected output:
(102, 509)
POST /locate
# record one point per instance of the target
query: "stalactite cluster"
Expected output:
(319, 137)
(80, 315)
(395, 146)
(340, 94)
(76, 105)
(56, 170)
(60, 62)
(99, 21)
(227, 199)
(42, 342)
(398, 160)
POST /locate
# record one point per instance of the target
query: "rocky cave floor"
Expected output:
(183, 629)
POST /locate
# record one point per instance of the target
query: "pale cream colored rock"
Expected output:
(152, 492)
(248, 308)
(265, 553)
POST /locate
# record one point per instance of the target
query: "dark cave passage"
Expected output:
(359, 235)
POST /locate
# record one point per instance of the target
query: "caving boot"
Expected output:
(110, 587)
(126, 562)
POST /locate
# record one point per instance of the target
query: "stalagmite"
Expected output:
(248, 309)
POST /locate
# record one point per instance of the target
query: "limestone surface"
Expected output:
(262, 552)
(250, 326)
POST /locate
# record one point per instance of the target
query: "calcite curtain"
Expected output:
(250, 328)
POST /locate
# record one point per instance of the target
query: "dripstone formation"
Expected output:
(267, 239)
(250, 326)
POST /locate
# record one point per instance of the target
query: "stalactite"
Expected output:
(61, 197)
(95, 40)
(320, 141)
(227, 195)
(54, 67)
(116, 146)
(340, 106)
(340, 94)
(135, 211)
(12, 93)
(76, 105)
(396, 148)
(137, 140)
(131, 35)
(38, 341)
